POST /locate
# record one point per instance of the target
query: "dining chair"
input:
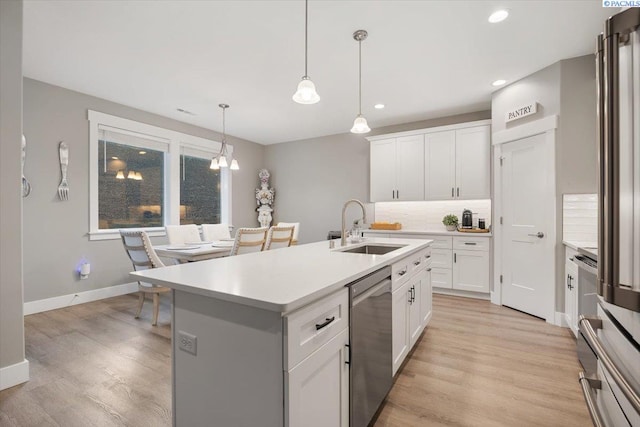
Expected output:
(296, 229)
(279, 237)
(213, 232)
(181, 234)
(141, 253)
(249, 240)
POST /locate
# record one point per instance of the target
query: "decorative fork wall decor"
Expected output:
(63, 188)
(26, 186)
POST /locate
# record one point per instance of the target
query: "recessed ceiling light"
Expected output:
(114, 158)
(499, 82)
(379, 106)
(142, 152)
(498, 16)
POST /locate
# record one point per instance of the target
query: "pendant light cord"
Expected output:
(306, 25)
(359, 77)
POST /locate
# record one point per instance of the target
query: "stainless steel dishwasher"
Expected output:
(371, 359)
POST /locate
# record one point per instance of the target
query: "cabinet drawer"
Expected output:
(441, 278)
(304, 331)
(441, 258)
(441, 242)
(471, 243)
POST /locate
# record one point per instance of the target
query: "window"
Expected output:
(147, 177)
(130, 182)
(200, 201)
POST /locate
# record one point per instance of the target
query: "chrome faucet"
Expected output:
(343, 239)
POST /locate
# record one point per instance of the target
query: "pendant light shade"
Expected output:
(221, 161)
(120, 175)
(360, 123)
(306, 93)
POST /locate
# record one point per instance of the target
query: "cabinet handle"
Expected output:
(348, 362)
(427, 256)
(470, 243)
(568, 281)
(428, 269)
(410, 298)
(416, 263)
(454, 258)
(326, 323)
(397, 194)
(458, 195)
(402, 273)
(452, 194)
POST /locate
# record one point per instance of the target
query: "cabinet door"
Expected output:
(415, 321)
(441, 258)
(317, 389)
(473, 163)
(399, 330)
(571, 295)
(441, 278)
(383, 170)
(440, 163)
(410, 168)
(471, 271)
(426, 297)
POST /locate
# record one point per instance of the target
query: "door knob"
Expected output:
(539, 235)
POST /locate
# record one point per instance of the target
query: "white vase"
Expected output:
(451, 227)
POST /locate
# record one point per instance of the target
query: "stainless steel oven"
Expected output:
(371, 360)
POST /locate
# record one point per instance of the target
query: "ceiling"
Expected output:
(422, 59)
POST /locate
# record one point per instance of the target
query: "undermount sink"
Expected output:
(372, 249)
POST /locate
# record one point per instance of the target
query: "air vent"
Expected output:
(182, 110)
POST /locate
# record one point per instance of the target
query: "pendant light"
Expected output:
(220, 161)
(306, 93)
(360, 123)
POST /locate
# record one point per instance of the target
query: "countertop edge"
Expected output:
(431, 232)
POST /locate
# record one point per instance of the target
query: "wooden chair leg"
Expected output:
(140, 303)
(156, 307)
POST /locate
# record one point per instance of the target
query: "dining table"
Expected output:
(197, 251)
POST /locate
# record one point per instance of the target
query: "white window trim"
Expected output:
(175, 141)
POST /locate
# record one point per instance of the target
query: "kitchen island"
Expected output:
(250, 344)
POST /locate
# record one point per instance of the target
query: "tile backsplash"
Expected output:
(580, 217)
(428, 215)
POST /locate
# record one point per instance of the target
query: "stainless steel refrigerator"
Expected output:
(611, 383)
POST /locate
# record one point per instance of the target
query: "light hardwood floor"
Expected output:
(476, 365)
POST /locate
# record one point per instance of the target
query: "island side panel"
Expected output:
(236, 377)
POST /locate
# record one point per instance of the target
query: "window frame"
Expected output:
(175, 142)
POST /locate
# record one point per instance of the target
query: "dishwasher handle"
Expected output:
(381, 288)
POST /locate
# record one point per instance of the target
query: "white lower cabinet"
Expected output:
(400, 328)
(317, 389)
(571, 290)
(441, 278)
(411, 310)
(471, 271)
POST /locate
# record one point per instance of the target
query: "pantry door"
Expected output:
(528, 235)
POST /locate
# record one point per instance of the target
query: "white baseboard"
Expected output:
(14, 374)
(47, 304)
(561, 320)
(458, 293)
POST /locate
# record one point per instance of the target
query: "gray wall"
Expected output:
(11, 319)
(567, 89)
(314, 177)
(55, 232)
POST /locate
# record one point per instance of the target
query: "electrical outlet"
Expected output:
(187, 342)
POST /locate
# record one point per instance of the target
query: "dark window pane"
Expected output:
(199, 192)
(131, 190)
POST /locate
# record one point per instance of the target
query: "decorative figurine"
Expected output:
(264, 199)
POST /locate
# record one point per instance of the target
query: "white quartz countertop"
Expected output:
(280, 280)
(430, 232)
(574, 244)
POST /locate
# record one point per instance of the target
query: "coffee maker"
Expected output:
(467, 219)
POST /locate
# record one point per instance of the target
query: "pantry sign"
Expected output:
(521, 112)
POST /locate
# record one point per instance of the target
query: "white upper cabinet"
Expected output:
(440, 165)
(473, 151)
(383, 170)
(446, 163)
(397, 169)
